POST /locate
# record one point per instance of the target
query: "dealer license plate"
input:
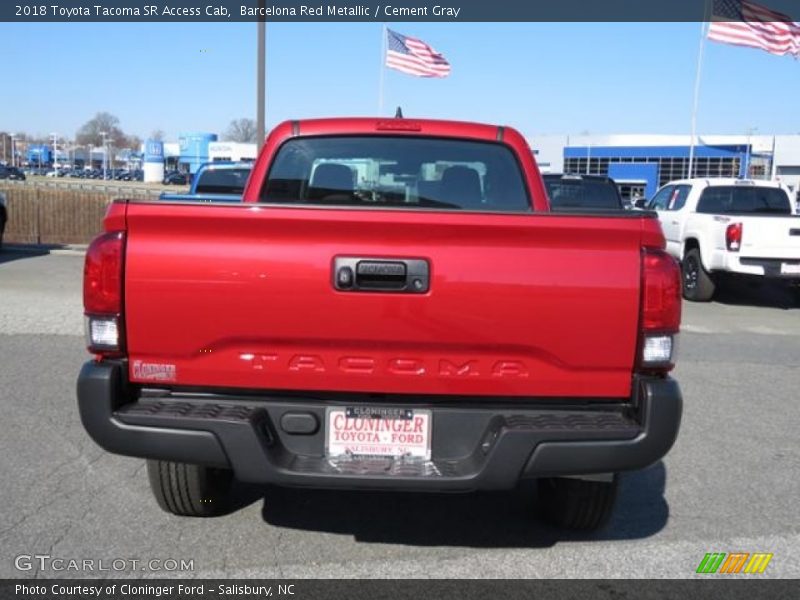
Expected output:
(790, 269)
(378, 431)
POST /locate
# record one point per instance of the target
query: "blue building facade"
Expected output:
(641, 170)
(39, 154)
(194, 150)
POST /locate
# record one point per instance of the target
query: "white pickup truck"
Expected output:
(731, 227)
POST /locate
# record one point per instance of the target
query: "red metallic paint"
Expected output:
(519, 304)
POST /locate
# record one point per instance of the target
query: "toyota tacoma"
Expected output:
(392, 306)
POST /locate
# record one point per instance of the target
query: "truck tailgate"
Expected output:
(241, 296)
(769, 237)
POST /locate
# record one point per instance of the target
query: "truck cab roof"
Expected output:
(720, 181)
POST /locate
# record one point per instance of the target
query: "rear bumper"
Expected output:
(770, 268)
(487, 446)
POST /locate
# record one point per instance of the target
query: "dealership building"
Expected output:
(189, 152)
(640, 164)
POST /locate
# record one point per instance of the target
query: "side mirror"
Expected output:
(640, 203)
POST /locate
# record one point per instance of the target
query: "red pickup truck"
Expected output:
(393, 306)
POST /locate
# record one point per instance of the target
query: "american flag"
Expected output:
(414, 57)
(749, 24)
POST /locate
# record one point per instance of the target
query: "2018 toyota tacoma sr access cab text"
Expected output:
(392, 307)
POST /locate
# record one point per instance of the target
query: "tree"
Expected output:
(157, 135)
(89, 133)
(134, 142)
(241, 130)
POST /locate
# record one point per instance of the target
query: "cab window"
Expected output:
(661, 199)
(677, 200)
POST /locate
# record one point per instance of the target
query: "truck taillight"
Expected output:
(733, 237)
(102, 293)
(660, 311)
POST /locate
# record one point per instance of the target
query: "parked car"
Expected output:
(731, 228)
(434, 328)
(175, 178)
(13, 173)
(577, 191)
(216, 182)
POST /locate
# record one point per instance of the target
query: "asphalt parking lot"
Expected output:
(731, 483)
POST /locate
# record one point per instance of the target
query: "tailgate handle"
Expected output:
(364, 274)
(381, 275)
(794, 232)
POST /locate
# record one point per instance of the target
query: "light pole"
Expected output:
(55, 152)
(261, 68)
(105, 153)
(13, 153)
(750, 132)
(588, 157)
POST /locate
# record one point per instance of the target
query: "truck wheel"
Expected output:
(697, 283)
(190, 490)
(577, 503)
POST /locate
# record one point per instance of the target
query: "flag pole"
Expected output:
(261, 68)
(383, 69)
(693, 135)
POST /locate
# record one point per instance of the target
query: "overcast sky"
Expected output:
(539, 77)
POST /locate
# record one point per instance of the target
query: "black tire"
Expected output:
(698, 286)
(576, 503)
(190, 490)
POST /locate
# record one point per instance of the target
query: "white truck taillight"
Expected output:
(658, 349)
(733, 237)
(102, 293)
(660, 311)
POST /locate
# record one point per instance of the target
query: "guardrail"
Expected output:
(130, 189)
(60, 212)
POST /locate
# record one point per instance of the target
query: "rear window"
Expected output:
(581, 193)
(222, 181)
(735, 200)
(396, 172)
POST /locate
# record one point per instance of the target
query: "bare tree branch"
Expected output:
(241, 130)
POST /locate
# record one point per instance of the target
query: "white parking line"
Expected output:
(756, 329)
(699, 329)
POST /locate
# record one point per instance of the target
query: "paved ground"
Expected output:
(731, 483)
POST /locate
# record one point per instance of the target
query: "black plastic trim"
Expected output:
(100, 393)
(662, 407)
(485, 447)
